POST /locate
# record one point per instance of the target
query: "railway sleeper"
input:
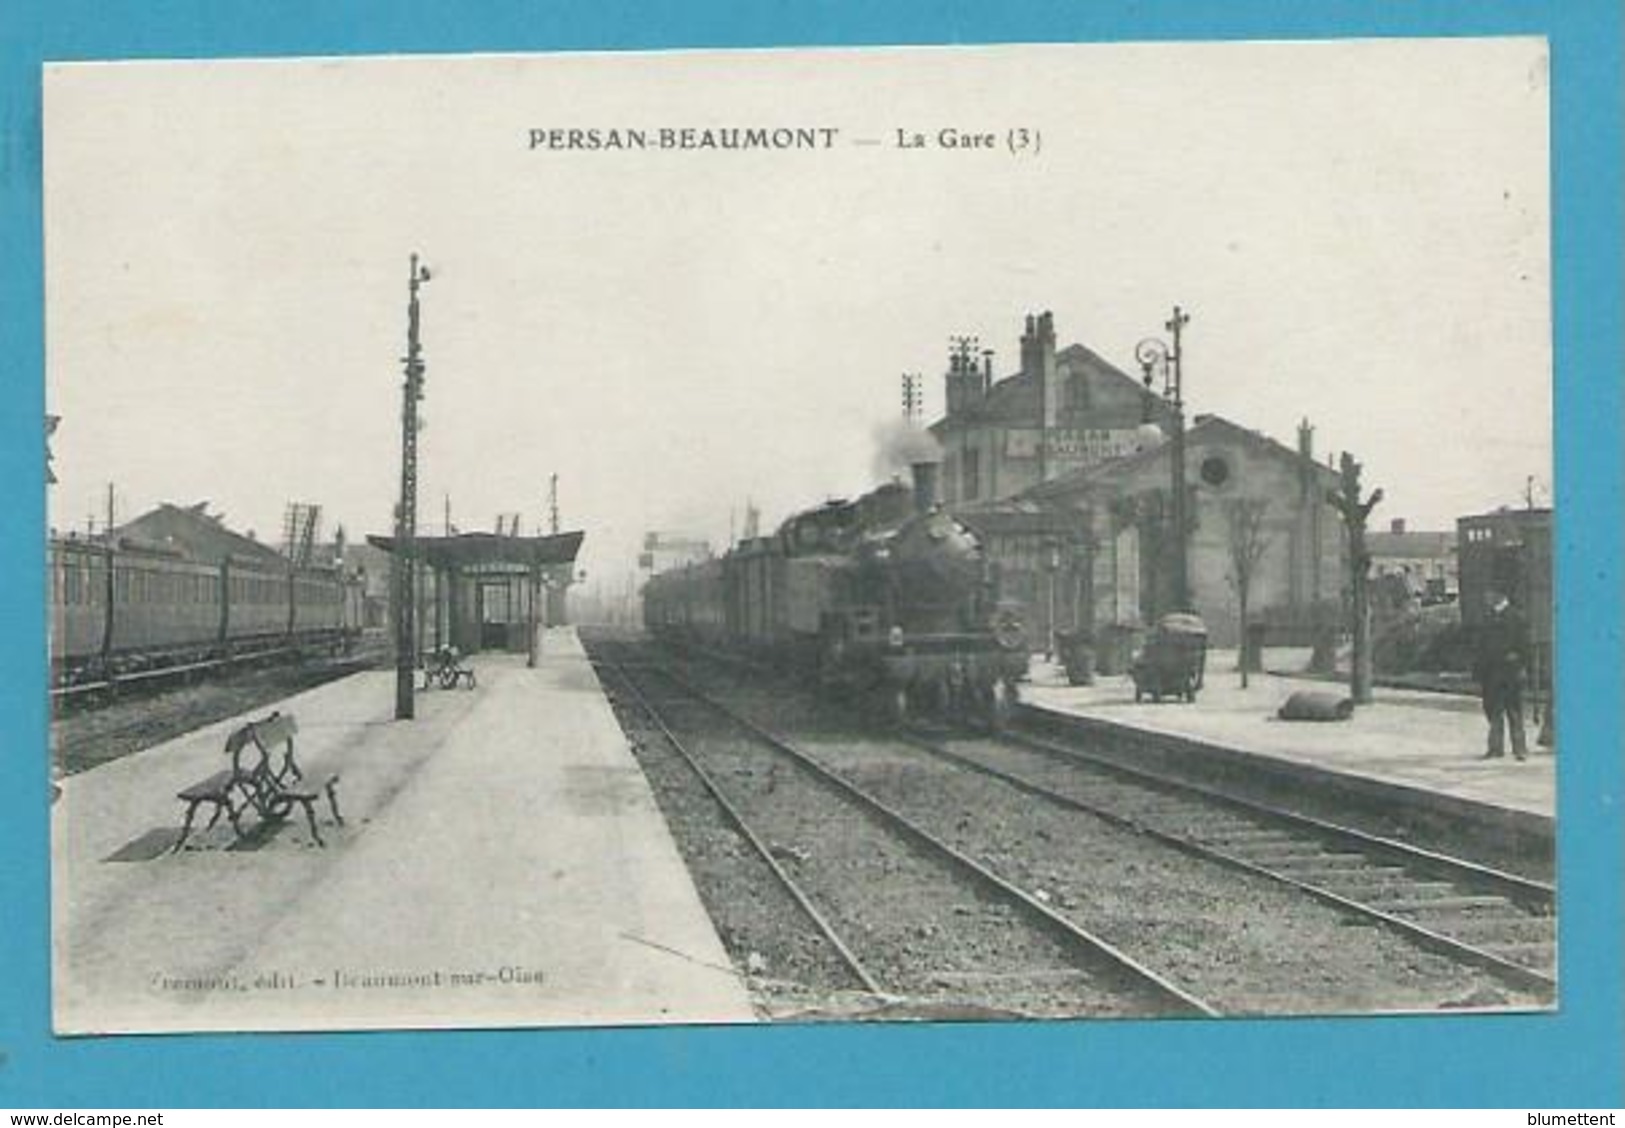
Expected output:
(1243, 834)
(1443, 904)
(1360, 884)
(1250, 841)
(1172, 806)
(1340, 864)
(1122, 798)
(1523, 951)
(1280, 862)
(1519, 928)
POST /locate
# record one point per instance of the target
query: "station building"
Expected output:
(1060, 412)
(1065, 469)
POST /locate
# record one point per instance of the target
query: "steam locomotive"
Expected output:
(886, 597)
(125, 609)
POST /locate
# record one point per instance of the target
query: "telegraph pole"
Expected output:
(406, 515)
(1347, 501)
(1153, 356)
(1176, 363)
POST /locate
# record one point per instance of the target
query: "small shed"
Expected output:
(484, 591)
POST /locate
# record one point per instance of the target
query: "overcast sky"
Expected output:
(1360, 231)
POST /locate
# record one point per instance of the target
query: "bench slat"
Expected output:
(309, 787)
(275, 730)
(216, 785)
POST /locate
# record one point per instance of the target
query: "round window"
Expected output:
(1215, 471)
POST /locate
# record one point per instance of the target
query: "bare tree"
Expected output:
(1244, 521)
(1355, 513)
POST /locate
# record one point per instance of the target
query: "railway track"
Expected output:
(857, 975)
(1500, 922)
(961, 936)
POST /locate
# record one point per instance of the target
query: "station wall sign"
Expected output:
(1080, 446)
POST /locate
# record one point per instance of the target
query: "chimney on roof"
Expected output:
(987, 371)
(1397, 525)
(1038, 363)
(964, 382)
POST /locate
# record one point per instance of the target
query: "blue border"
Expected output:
(1569, 1060)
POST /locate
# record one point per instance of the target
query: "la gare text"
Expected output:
(780, 138)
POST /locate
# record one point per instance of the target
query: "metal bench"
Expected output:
(254, 783)
(443, 668)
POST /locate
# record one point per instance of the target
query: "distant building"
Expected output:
(1426, 563)
(371, 567)
(194, 532)
(664, 551)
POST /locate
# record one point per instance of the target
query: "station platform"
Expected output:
(502, 863)
(1423, 747)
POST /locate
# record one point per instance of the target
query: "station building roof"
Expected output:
(472, 550)
(194, 532)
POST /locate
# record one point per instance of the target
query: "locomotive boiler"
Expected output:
(887, 598)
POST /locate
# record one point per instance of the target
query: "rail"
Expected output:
(1091, 945)
(1510, 888)
(763, 851)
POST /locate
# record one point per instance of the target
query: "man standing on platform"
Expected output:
(1498, 666)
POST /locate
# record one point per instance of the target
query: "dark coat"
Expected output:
(1502, 649)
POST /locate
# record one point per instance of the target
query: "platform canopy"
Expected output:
(474, 550)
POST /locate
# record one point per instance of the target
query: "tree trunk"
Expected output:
(1246, 657)
(1360, 671)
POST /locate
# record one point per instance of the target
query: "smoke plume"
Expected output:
(899, 444)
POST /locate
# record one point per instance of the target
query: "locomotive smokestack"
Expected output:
(925, 486)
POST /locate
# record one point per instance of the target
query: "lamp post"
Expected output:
(1155, 355)
(1052, 565)
(534, 619)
